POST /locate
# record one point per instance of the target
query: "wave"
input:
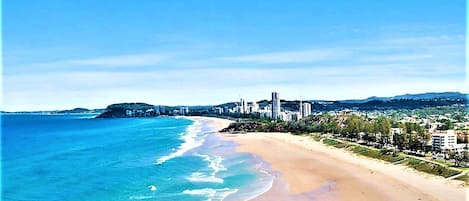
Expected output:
(140, 197)
(191, 141)
(215, 163)
(264, 184)
(212, 194)
(201, 177)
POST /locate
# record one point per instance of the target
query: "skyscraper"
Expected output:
(275, 105)
(244, 106)
(306, 110)
(300, 116)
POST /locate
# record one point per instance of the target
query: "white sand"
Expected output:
(306, 165)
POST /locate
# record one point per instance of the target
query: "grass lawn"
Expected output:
(316, 136)
(419, 165)
(335, 143)
(375, 153)
(430, 168)
(364, 151)
(445, 163)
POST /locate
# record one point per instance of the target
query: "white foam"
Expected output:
(191, 140)
(152, 187)
(204, 191)
(262, 186)
(201, 177)
(215, 163)
(212, 194)
(140, 197)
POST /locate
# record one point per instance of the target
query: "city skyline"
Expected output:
(92, 54)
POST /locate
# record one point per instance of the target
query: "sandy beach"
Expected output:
(308, 170)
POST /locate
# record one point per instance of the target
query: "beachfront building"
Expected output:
(275, 105)
(305, 109)
(285, 116)
(253, 107)
(443, 141)
(289, 116)
(183, 110)
(218, 110)
(128, 113)
(265, 112)
(243, 106)
(301, 110)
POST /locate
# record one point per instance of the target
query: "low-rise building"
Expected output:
(218, 110)
(443, 141)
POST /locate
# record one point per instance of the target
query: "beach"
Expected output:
(308, 170)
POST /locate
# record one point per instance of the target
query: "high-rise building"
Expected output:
(300, 116)
(305, 109)
(184, 110)
(243, 106)
(275, 105)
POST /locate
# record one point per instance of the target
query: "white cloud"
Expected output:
(386, 67)
(127, 60)
(396, 57)
(289, 56)
(121, 60)
(213, 86)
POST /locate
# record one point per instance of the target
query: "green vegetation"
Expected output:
(378, 154)
(129, 110)
(369, 130)
(456, 111)
(316, 136)
(446, 124)
(335, 143)
(352, 127)
(431, 168)
(393, 157)
(366, 151)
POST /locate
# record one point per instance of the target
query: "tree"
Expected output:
(447, 125)
(352, 126)
(413, 141)
(382, 126)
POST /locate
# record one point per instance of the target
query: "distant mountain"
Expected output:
(121, 110)
(406, 101)
(78, 110)
(442, 95)
(72, 111)
(423, 96)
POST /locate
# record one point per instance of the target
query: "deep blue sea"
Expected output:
(76, 157)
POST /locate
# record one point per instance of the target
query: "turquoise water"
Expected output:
(75, 157)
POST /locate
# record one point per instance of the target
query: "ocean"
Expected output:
(76, 157)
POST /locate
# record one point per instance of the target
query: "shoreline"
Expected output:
(305, 169)
(259, 167)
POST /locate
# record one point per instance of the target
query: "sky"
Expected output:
(67, 54)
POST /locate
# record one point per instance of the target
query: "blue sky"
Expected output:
(66, 54)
